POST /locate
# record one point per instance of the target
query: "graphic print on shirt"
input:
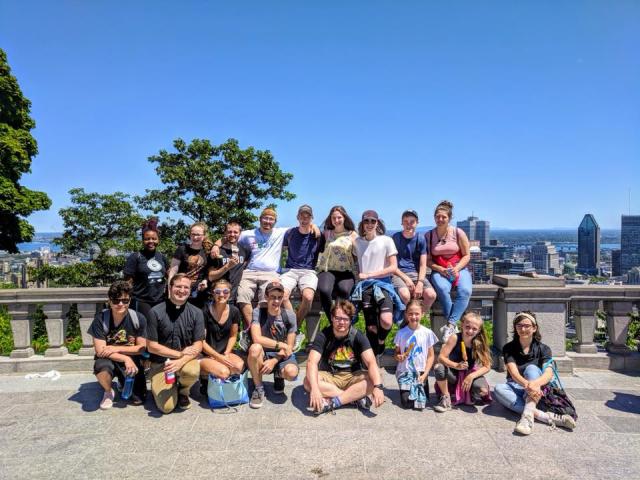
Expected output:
(278, 331)
(342, 358)
(119, 337)
(412, 350)
(195, 263)
(155, 274)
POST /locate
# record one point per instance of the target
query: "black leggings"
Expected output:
(340, 283)
(478, 385)
(372, 308)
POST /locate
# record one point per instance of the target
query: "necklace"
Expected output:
(442, 239)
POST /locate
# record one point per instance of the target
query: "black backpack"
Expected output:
(106, 318)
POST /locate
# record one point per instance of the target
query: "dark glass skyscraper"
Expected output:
(629, 243)
(588, 246)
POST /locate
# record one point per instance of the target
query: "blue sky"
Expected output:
(525, 113)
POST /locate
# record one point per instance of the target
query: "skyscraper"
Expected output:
(476, 229)
(629, 243)
(545, 258)
(615, 263)
(588, 246)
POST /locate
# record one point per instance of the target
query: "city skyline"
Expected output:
(511, 112)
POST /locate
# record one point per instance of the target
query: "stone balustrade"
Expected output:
(548, 297)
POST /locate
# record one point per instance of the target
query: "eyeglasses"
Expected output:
(342, 319)
(120, 301)
(221, 291)
(369, 221)
(197, 235)
(524, 326)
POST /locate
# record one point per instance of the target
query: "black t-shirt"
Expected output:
(192, 262)
(218, 335)
(174, 327)
(124, 334)
(456, 352)
(340, 354)
(235, 274)
(538, 355)
(149, 272)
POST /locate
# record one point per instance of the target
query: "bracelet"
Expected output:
(421, 280)
(277, 345)
(379, 385)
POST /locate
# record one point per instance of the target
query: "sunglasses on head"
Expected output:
(221, 291)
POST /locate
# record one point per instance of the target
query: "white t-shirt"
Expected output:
(418, 341)
(266, 249)
(372, 255)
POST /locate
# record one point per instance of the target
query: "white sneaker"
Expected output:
(444, 405)
(525, 424)
(107, 400)
(448, 330)
(564, 421)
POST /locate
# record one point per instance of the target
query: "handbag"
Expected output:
(554, 398)
(228, 393)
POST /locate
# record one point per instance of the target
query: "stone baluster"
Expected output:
(618, 325)
(56, 323)
(87, 312)
(584, 315)
(22, 328)
(438, 319)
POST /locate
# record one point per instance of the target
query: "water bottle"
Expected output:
(128, 388)
(169, 377)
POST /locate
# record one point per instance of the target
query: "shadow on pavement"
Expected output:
(624, 402)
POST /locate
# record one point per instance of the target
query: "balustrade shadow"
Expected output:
(625, 402)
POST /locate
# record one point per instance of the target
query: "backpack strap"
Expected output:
(263, 316)
(134, 319)
(106, 317)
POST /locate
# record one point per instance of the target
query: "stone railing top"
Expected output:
(53, 295)
(522, 281)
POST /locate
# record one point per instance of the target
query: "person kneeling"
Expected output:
(335, 374)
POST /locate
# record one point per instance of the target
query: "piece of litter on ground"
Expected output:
(52, 374)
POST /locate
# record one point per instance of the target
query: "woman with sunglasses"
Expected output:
(336, 264)
(447, 257)
(146, 271)
(377, 262)
(221, 325)
(527, 360)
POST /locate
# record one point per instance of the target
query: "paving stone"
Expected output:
(79, 424)
(44, 467)
(596, 467)
(622, 424)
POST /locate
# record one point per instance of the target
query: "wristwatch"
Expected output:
(379, 385)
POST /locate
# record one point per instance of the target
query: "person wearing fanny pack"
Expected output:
(335, 367)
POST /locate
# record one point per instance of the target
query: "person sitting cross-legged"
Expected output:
(335, 374)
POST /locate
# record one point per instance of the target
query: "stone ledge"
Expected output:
(606, 361)
(39, 363)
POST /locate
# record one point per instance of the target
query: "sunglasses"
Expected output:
(222, 291)
(369, 221)
(120, 301)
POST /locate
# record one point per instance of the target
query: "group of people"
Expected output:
(180, 321)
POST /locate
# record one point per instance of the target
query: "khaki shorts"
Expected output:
(252, 280)
(342, 380)
(299, 277)
(398, 283)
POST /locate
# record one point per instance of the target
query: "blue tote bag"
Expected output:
(228, 393)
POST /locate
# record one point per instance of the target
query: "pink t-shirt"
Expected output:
(447, 245)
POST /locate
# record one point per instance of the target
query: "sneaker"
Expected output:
(328, 407)
(444, 405)
(278, 385)
(183, 402)
(107, 400)
(364, 403)
(136, 400)
(525, 424)
(257, 398)
(564, 421)
(298, 343)
(448, 330)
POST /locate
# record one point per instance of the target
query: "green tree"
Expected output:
(214, 184)
(107, 221)
(17, 148)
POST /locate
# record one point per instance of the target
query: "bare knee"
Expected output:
(290, 372)
(405, 295)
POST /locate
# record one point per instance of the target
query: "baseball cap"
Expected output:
(271, 286)
(370, 214)
(305, 209)
(411, 212)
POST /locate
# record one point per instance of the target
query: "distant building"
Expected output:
(629, 243)
(474, 250)
(511, 267)
(475, 229)
(495, 249)
(616, 270)
(588, 246)
(481, 270)
(633, 276)
(544, 258)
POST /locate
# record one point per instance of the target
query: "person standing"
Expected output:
(191, 259)
(231, 260)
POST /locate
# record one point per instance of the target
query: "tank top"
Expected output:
(445, 246)
(456, 353)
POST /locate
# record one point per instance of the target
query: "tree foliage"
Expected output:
(216, 183)
(17, 148)
(107, 221)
